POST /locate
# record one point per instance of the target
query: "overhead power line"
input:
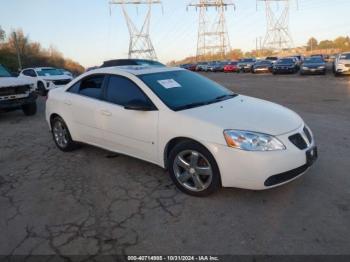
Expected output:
(140, 44)
(278, 36)
(213, 38)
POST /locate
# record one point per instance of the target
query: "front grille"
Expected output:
(308, 134)
(61, 82)
(284, 177)
(298, 141)
(14, 90)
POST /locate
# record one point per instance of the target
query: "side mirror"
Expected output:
(139, 105)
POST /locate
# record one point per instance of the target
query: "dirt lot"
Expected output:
(94, 202)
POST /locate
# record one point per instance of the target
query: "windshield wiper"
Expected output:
(218, 99)
(224, 97)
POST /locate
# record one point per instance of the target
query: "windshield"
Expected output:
(272, 58)
(314, 60)
(345, 56)
(247, 60)
(183, 89)
(263, 63)
(232, 63)
(285, 61)
(4, 72)
(49, 72)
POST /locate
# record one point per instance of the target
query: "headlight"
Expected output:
(321, 67)
(251, 141)
(305, 68)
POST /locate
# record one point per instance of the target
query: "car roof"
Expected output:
(136, 70)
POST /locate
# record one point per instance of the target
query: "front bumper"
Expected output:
(12, 104)
(314, 71)
(263, 170)
(343, 70)
(284, 70)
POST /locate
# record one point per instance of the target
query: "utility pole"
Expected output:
(17, 51)
(140, 44)
(278, 36)
(213, 38)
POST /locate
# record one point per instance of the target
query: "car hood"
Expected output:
(59, 77)
(345, 61)
(247, 113)
(13, 81)
(284, 64)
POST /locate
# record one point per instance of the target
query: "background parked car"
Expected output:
(262, 66)
(285, 65)
(231, 67)
(16, 93)
(245, 64)
(202, 66)
(272, 59)
(217, 66)
(45, 78)
(313, 65)
(342, 64)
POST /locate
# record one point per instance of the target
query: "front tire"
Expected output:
(29, 109)
(193, 169)
(61, 135)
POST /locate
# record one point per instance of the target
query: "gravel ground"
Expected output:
(93, 202)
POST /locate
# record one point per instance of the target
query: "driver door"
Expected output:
(130, 132)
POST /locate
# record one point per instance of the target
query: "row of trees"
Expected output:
(342, 43)
(32, 54)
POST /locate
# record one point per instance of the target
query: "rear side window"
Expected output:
(90, 87)
(121, 90)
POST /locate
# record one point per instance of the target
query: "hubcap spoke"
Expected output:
(194, 159)
(184, 177)
(181, 162)
(205, 171)
(198, 182)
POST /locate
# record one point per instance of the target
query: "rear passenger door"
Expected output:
(127, 131)
(84, 104)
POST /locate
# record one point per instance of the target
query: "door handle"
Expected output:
(105, 112)
(67, 102)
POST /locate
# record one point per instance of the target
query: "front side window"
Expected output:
(4, 72)
(29, 72)
(121, 91)
(182, 89)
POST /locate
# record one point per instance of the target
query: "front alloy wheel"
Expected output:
(193, 169)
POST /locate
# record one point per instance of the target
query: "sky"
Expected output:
(87, 32)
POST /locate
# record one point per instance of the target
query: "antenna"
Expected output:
(212, 38)
(140, 45)
(277, 36)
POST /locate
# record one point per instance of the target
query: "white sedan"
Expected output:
(204, 134)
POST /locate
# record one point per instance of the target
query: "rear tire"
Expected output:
(193, 169)
(41, 89)
(61, 135)
(29, 109)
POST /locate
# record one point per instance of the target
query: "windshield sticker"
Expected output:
(169, 83)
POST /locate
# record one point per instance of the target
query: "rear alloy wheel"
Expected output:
(29, 109)
(61, 135)
(193, 169)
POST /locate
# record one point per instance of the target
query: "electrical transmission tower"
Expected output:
(278, 36)
(213, 38)
(140, 45)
